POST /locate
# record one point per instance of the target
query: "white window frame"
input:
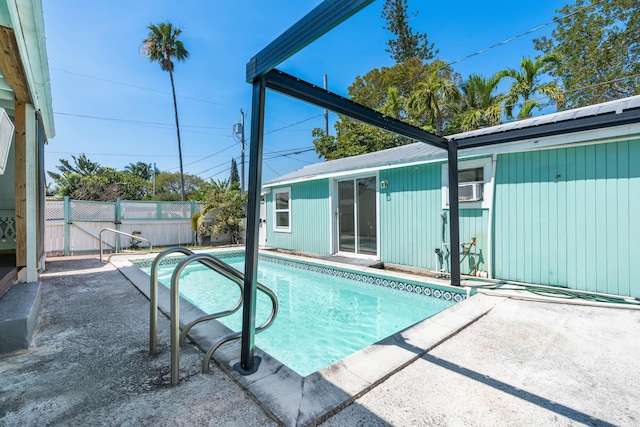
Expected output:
(335, 244)
(487, 165)
(275, 193)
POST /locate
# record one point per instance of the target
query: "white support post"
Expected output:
(31, 170)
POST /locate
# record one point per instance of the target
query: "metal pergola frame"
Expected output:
(261, 73)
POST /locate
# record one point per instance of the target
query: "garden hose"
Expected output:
(562, 293)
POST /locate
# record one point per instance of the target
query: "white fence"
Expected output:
(72, 226)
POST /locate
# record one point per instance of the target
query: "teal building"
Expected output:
(548, 203)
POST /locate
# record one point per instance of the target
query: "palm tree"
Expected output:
(143, 170)
(394, 106)
(526, 85)
(162, 45)
(434, 96)
(481, 106)
(82, 166)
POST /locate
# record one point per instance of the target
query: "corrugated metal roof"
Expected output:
(420, 151)
(397, 155)
(617, 106)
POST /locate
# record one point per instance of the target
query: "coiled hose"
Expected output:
(557, 292)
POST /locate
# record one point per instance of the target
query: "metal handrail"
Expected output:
(224, 269)
(177, 338)
(142, 239)
(227, 271)
(153, 299)
(235, 335)
(153, 295)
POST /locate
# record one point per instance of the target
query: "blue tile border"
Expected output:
(413, 288)
(174, 260)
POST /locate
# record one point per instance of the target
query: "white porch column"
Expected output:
(31, 170)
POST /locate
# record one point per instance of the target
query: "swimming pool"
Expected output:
(325, 313)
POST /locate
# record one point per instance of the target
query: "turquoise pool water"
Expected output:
(322, 318)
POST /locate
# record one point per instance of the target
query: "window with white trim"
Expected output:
(474, 177)
(282, 209)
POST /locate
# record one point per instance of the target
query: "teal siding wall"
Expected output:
(569, 217)
(411, 225)
(310, 219)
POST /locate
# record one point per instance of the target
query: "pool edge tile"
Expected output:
(294, 400)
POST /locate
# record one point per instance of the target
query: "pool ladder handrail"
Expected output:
(153, 301)
(122, 233)
(235, 335)
(153, 294)
(177, 338)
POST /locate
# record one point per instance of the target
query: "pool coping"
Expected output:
(295, 400)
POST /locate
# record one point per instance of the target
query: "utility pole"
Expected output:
(238, 129)
(326, 112)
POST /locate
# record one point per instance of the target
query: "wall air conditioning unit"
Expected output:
(470, 192)
(6, 135)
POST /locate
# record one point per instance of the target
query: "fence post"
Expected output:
(67, 225)
(117, 221)
(193, 212)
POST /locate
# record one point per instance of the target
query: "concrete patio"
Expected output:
(522, 363)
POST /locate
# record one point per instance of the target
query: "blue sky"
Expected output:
(115, 105)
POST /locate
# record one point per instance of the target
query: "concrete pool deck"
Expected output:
(512, 363)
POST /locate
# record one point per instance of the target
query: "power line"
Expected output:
(170, 125)
(288, 149)
(142, 88)
(272, 169)
(510, 39)
(540, 98)
(117, 154)
(293, 124)
(211, 155)
(213, 167)
(145, 123)
(288, 154)
(296, 159)
(218, 173)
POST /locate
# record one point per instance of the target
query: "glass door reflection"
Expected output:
(357, 216)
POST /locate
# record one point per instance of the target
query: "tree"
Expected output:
(226, 204)
(141, 169)
(372, 89)
(353, 138)
(87, 180)
(385, 89)
(434, 98)
(169, 187)
(526, 86)
(110, 185)
(68, 180)
(234, 177)
(81, 166)
(406, 44)
(482, 106)
(162, 45)
(596, 43)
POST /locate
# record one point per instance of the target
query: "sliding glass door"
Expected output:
(357, 216)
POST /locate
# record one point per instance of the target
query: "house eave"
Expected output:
(27, 16)
(592, 136)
